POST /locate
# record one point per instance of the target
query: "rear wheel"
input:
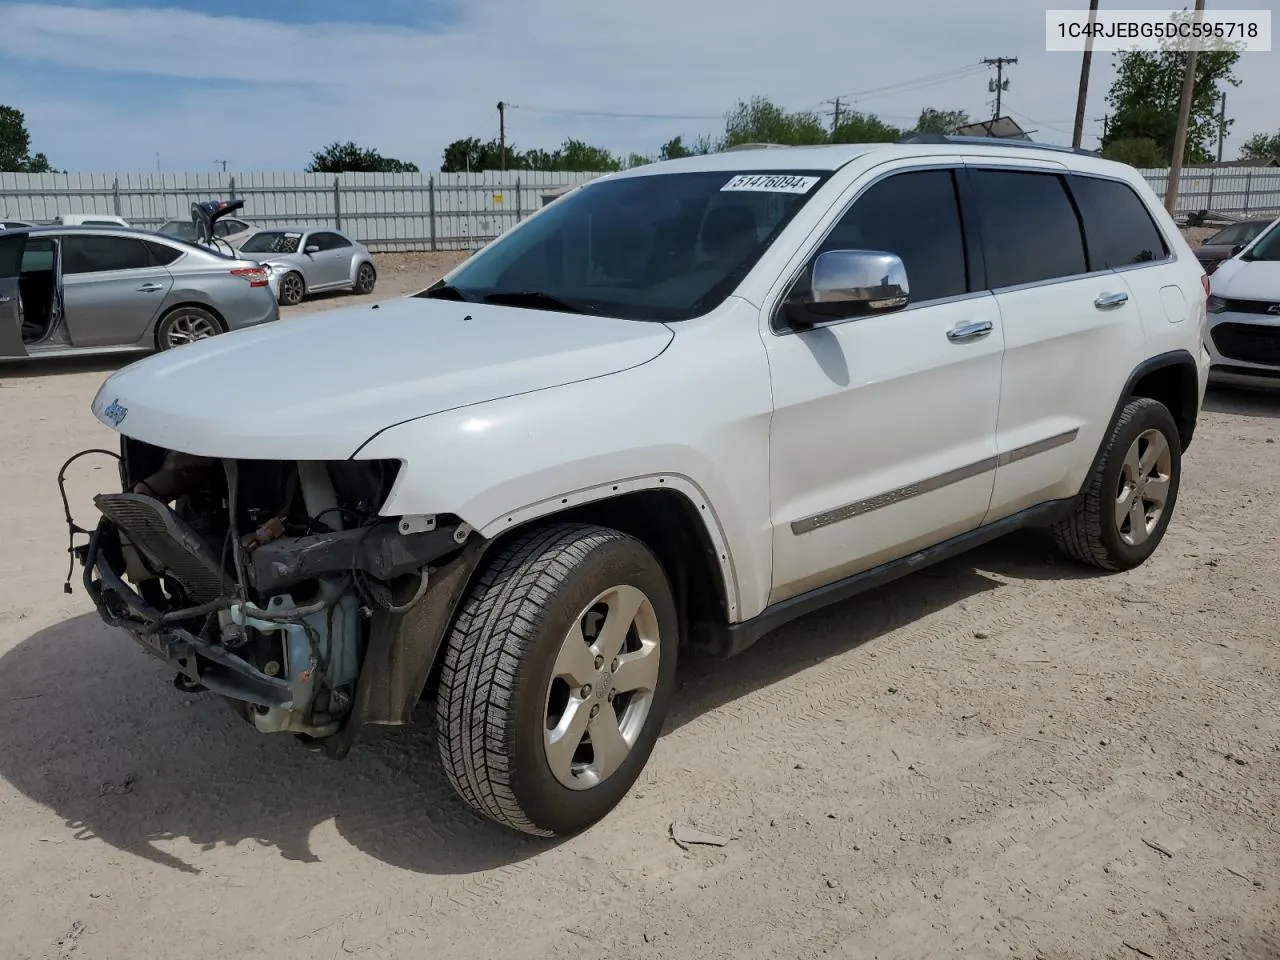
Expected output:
(1129, 498)
(366, 277)
(186, 325)
(292, 289)
(557, 677)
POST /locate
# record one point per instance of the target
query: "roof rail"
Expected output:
(755, 146)
(960, 140)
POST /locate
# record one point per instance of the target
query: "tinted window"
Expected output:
(38, 255)
(161, 254)
(916, 216)
(1030, 231)
(272, 241)
(1117, 226)
(98, 254)
(11, 255)
(661, 246)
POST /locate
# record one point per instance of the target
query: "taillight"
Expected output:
(1204, 282)
(257, 276)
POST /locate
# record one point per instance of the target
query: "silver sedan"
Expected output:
(67, 291)
(303, 262)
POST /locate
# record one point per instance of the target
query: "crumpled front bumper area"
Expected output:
(169, 636)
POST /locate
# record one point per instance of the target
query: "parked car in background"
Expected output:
(231, 231)
(78, 290)
(89, 220)
(1244, 314)
(303, 262)
(1228, 242)
(14, 225)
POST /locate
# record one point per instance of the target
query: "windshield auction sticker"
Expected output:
(771, 183)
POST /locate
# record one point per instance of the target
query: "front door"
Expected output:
(883, 435)
(332, 263)
(112, 289)
(11, 296)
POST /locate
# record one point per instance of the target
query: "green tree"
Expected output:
(864, 128)
(1137, 152)
(474, 155)
(759, 120)
(351, 158)
(1147, 92)
(15, 145)
(1261, 146)
(576, 156)
(933, 120)
(674, 149)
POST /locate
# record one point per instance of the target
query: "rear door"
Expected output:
(113, 289)
(10, 298)
(1071, 332)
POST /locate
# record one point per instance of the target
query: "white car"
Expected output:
(1244, 315)
(683, 404)
(89, 220)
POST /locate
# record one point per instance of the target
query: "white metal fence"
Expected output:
(1246, 191)
(443, 211)
(388, 211)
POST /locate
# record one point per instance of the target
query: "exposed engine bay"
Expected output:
(261, 581)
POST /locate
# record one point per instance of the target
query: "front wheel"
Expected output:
(557, 677)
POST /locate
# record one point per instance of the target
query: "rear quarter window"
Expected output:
(1118, 228)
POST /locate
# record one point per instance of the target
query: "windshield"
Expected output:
(182, 229)
(1268, 248)
(272, 241)
(1236, 233)
(656, 247)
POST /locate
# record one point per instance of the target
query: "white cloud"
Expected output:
(409, 92)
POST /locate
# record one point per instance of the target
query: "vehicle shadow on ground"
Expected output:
(62, 366)
(1242, 402)
(91, 728)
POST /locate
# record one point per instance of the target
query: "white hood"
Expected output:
(1240, 279)
(316, 387)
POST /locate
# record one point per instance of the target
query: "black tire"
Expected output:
(292, 289)
(499, 663)
(1090, 534)
(366, 278)
(185, 324)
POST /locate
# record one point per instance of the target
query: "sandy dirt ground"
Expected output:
(1005, 756)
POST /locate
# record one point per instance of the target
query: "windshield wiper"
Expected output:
(536, 300)
(443, 291)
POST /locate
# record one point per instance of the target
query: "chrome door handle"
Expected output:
(969, 331)
(150, 288)
(1105, 301)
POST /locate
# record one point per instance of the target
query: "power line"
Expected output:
(566, 112)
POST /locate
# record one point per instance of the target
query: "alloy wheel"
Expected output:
(1144, 487)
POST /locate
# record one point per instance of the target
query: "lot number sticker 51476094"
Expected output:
(771, 183)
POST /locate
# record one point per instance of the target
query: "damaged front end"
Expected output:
(276, 584)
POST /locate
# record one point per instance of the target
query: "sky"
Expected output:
(182, 85)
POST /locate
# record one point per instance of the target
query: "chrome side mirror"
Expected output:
(852, 283)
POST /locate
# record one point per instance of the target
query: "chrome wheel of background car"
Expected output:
(291, 289)
(366, 277)
(602, 687)
(183, 328)
(1144, 486)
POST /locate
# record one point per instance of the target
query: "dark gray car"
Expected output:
(76, 290)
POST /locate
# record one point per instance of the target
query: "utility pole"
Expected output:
(1085, 62)
(224, 164)
(1222, 124)
(1000, 84)
(1106, 124)
(835, 116)
(502, 132)
(1184, 119)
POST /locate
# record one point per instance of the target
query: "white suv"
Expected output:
(683, 403)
